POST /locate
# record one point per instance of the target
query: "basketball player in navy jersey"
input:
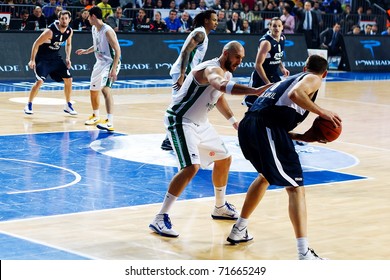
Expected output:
(45, 60)
(265, 141)
(192, 53)
(269, 58)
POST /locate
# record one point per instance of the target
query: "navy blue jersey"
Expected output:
(272, 60)
(270, 65)
(277, 108)
(51, 50)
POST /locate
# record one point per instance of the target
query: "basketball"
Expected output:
(325, 130)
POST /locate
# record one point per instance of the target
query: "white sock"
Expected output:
(110, 118)
(219, 196)
(242, 223)
(302, 245)
(168, 202)
(96, 113)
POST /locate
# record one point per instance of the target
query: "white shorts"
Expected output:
(99, 76)
(195, 144)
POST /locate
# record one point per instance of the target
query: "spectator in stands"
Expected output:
(245, 29)
(236, 7)
(234, 24)
(172, 22)
(288, 20)
(158, 24)
(246, 13)
(24, 14)
(49, 9)
(355, 30)
(368, 16)
(316, 9)
(257, 13)
(113, 20)
(270, 7)
(159, 4)
(374, 30)
(54, 15)
(186, 22)
(172, 5)
(367, 30)
(221, 16)
(347, 20)
(62, 3)
(81, 23)
(106, 8)
(387, 31)
(332, 40)
(216, 6)
(308, 25)
(141, 22)
(202, 6)
(148, 4)
(39, 17)
(335, 7)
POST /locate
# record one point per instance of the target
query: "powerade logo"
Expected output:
(370, 44)
(125, 43)
(174, 44)
(288, 44)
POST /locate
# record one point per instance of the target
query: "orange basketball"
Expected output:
(325, 130)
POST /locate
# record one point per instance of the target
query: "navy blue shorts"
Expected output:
(55, 67)
(270, 150)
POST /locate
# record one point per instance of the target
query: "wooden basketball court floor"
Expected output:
(348, 220)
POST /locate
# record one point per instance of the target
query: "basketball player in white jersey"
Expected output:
(192, 53)
(195, 141)
(105, 71)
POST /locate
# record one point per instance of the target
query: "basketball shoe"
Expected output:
(225, 212)
(162, 225)
(309, 255)
(166, 145)
(28, 109)
(92, 120)
(239, 235)
(69, 109)
(105, 125)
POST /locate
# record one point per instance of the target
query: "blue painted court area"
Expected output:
(59, 173)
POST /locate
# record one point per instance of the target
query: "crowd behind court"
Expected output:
(318, 20)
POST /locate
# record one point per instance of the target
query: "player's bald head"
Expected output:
(233, 46)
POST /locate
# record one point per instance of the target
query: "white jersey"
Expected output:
(103, 51)
(193, 101)
(196, 56)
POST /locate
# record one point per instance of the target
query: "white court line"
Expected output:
(75, 181)
(48, 245)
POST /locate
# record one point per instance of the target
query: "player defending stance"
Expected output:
(45, 60)
(194, 139)
(265, 141)
(192, 53)
(269, 58)
(104, 73)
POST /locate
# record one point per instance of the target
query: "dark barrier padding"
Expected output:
(143, 55)
(368, 53)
